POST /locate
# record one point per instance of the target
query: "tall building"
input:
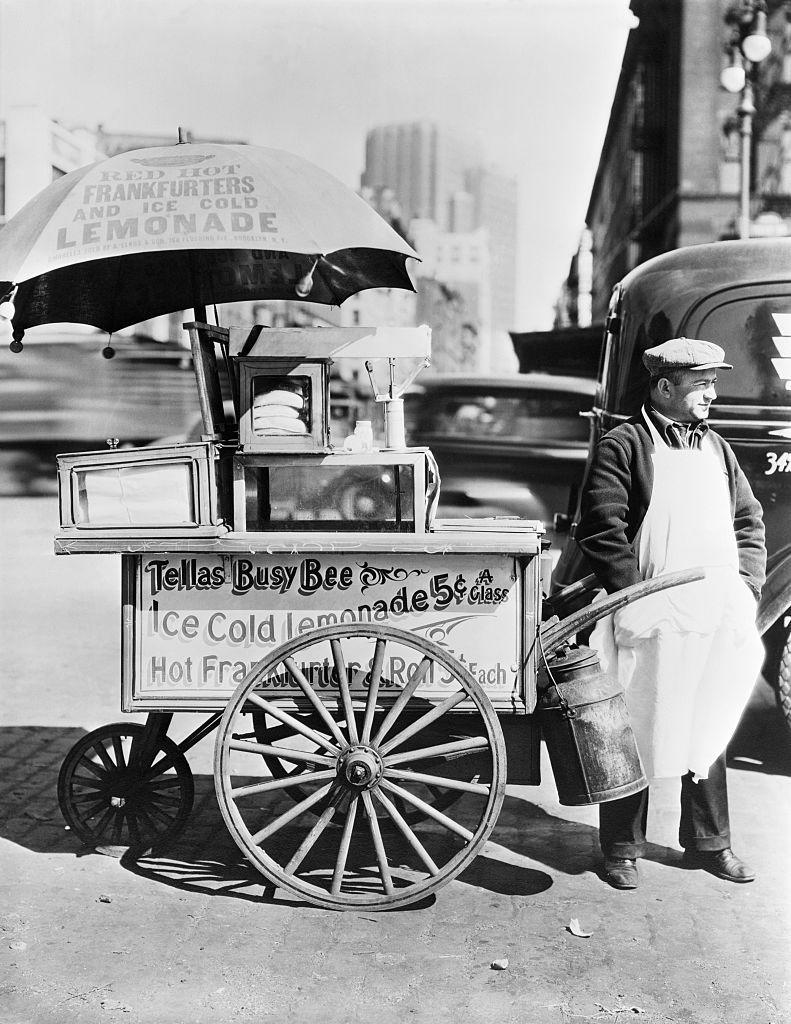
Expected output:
(424, 165)
(669, 170)
(439, 178)
(496, 199)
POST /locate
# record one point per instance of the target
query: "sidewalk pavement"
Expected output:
(191, 937)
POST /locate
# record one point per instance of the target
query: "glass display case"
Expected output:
(284, 405)
(379, 491)
(168, 490)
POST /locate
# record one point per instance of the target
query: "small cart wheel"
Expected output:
(113, 801)
(366, 759)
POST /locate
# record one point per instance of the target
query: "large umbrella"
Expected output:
(157, 230)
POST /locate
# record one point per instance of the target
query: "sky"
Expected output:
(531, 80)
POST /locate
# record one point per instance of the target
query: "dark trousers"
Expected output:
(704, 817)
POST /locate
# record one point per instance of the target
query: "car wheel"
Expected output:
(777, 667)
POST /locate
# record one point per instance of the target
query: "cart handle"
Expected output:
(583, 590)
(556, 631)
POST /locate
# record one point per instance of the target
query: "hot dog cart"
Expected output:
(369, 669)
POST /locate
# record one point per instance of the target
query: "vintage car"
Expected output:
(505, 446)
(737, 294)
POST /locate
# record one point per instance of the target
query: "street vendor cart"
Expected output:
(369, 669)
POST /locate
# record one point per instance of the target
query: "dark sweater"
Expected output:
(615, 500)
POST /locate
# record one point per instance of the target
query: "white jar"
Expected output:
(362, 440)
(365, 433)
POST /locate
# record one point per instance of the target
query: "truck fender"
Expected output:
(776, 594)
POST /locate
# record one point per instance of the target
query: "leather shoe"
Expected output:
(722, 863)
(620, 872)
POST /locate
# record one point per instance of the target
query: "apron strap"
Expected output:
(655, 435)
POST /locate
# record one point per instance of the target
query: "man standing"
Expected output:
(665, 493)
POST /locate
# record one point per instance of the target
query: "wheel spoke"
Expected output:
(343, 848)
(118, 826)
(343, 686)
(166, 782)
(91, 812)
(104, 757)
(430, 716)
(444, 750)
(118, 749)
(158, 814)
(299, 678)
(165, 800)
(439, 780)
(428, 810)
(403, 699)
(409, 835)
(373, 688)
(310, 839)
(96, 786)
(294, 812)
(379, 846)
(284, 783)
(164, 764)
(148, 821)
(296, 725)
(96, 799)
(93, 767)
(284, 753)
(101, 825)
(134, 832)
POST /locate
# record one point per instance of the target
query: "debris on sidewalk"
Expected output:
(500, 965)
(574, 927)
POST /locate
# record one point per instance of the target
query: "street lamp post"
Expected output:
(746, 111)
(747, 46)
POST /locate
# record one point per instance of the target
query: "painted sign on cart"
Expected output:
(203, 621)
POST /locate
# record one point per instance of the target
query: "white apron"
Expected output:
(687, 658)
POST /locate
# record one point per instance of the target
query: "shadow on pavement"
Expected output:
(204, 858)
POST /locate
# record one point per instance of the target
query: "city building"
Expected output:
(461, 218)
(34, 151)
(669, 173)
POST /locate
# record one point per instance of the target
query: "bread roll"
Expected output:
(280, 396)
(263, 425)
(275, 410)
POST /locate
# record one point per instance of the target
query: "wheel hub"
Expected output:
(360, 767)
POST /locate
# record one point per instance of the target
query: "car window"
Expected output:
(755, 331)
(546, 414)
(756, 335)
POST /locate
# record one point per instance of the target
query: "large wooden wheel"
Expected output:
(123, 787)
(268, 730)
(360, 765)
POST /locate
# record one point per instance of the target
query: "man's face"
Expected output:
(690, 399)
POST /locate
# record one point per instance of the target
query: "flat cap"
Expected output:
(685, 354)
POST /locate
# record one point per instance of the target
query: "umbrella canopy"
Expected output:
(158, 230)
